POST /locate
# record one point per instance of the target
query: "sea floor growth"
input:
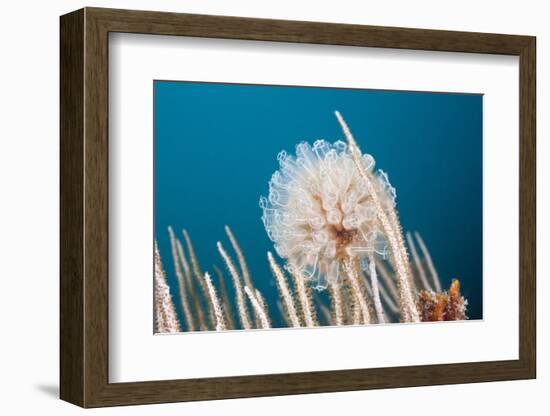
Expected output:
(340, 256)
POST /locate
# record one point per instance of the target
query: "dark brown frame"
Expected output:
(84, 207)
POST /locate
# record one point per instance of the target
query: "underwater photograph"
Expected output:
(294, 207)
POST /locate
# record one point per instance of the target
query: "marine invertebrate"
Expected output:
(284, 290)
(361, 302)
(442, 306)
(241, 305)
(429, 261)
(203, 324)
(240, 257)
(418, 263)
(297, 303)
(319, 213)
(263, 305)
(376, 293)
(181, 271)
(333, 221)
(220, 320)
(327, 207)
(258, 309)
(304, 297)
(336, 300)
(166, 319)
(225, 299)
(387, 218)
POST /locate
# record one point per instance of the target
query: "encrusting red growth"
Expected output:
(442, 306)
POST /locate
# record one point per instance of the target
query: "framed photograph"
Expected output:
(256, 207)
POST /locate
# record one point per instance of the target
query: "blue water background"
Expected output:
(216, 148)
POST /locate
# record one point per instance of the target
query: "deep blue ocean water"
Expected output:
(216, 148)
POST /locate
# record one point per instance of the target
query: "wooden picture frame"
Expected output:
(84, 207)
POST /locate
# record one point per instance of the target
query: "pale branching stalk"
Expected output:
(192, 295)
(283, 313)
(418, 263)
(257, 308)
(388, 290)
(336, 300)
(404, 314)
(185, 266)
(165, 312)
(325, 311)
(388, 298)
(351, 308)
(366, 281)
(387, 279)
(390, 224)
(367, 284)
(240, 257)
(181, 281)
(376, 293)
(241, 305)
(218, 313)
(358, 293)
(348, 300)
(225, 299)
(429, 261)
(357, 315)
(411, 289)
(198, 278)
(194, 261)
(303, 296)
(263, 305)
(284, 290)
